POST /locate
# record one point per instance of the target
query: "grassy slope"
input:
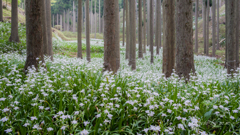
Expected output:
(7, 13)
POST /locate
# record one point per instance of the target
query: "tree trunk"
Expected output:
(117, 40)
(158, 29)
(14, 22)
(132, 33)
(44, 27)
(64, 18)
(123, 22)
(127, 31)
(91, 19)
(184, 41)
(140, 52)
(213, 27)
(53, 20)
(169, 37)
(49, 28)
(207, 43)
(196, 26)
(95, 19)
(145, 23)
(1, 11)
(148, 23)
(109, 36)
(226, 45)
(204, 27)
(34, 33)
(99, 11)
(231, 35)
(151, 29)
(160, 26)
(60, 22)
(74, 18)
(79, 55)
(57, 19)
(88, 32)
(237, 32)
(218, 45)
(68, 25)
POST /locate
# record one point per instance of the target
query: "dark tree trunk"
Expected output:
(184, 41)
(158, 29)
(207, 29)
(1, 11)
(49, 28)
(237, 32)
(127, 30)
(196, 26)
(132, 29)
(213, 28)
(14, 22)
(140, 52)
(145, 24)
(123, 22)
(168, 37)
(44, 27)
(117, 40)
(79, 55)
(204, 27)
(74, 18)
(34, 33)
(88, 32)
(151, 29)
(99, 11)
(109, 36)
(218, 45)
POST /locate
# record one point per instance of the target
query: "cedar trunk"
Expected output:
(237, 32)
(132, 33)
(44, 27)
(144, 27)
(196, 26)
(184, 41)
(213, 27)
(88, 32)
(127, 30)
(151, 29)
(218, 6)
(49, 28)
(1, 11)
(140, 52)
(158, 27)
(79, 55)
(123, 22)
(169, 37)
(204, 27)
(207, 29)
(34, 33)
(14, 22)
(117, 40)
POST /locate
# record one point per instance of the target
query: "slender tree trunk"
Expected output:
(123, 22)
(226, 45)
(1, 11)
(60, 22)
(213, 27)
(74, 18)
(148, 23)
(160, 25)
(196, 26)
(57, 19)
(34, 33)
(169, 37)
(231, 36)
(14, 22)
(184, 41)
(44, 27)
(88, 32)
(109, 36)
(207, 43)
(53, 20)
(117, 40)
(151, 29)
(158, 30)
(144, 28)
(204, 27)
(237, 31)
(99, 16)
(127, 31)
(132, 29)
(49, 28)
(79, 55)
(218, 45)
(140, 52)
(91, 19)
(64, 18)
(68, 25)
(95, 19)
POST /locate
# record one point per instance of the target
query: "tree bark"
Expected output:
(148, 23)
(158, 29)
(95, 19)
(169, 37)
(61, 23)
(44, 27)
(34, 34)
(109, 36)
(140, 52)
(237, 32)
(184, 41)
(74, 18)
(88, 32)
(49, 28)
(196, 26)
(207, 43)
(57, 19)
(132, 32)
(53, 20)
(160, 26)
(64, 18)
(123, 22)
(99, 16)
(145, 23)
(68, 25)
(127, 31)
(204, 27)
(1, 11)
(79, 55)
(151, 29)
(14, 22)
(117, 40)
(213, 27)
(218, 45)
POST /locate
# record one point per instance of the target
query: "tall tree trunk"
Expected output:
(204, 27)
(1, 11)
(53, 20)
(49, 28)
(145, 23)
(132, 29)
(151, 29)
(148, 23)
(226, 45)
(99, 11)
(117, 40)
(184, 41)
(57, 19)
(160, 25)
(64, 18)
(34, 33)
(231, 36)
(14, 22)
(169, 37)
(213, 27)
(109, 36)
(44, 27)
(158, 29)
(95, 19)
(237, 31)
(196, 26)
(91, 19)
(88, 32)
(127, 30)
(140, 52)
(123, 22)
(79, 55)
(74, 18)
(207, 43)
(60, 22)
(68, 25)
(218, 45)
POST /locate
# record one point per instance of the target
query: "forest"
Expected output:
(119, 67)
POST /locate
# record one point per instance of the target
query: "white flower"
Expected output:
(76, 112)
(74, 122)
(8, 130)
(2, 99)
(81, 104)
(169, 111)
(179, 117)
(41, 107)
(235, 111)
(215, 107)
(33, 118)
(110, 116)
(49, 129)
(86, 123)
(84, 132)
(146, 130)
(98, 115)
(4, 119)
(231, 117)
(180, 126)
(26, 124)
(63, 127)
